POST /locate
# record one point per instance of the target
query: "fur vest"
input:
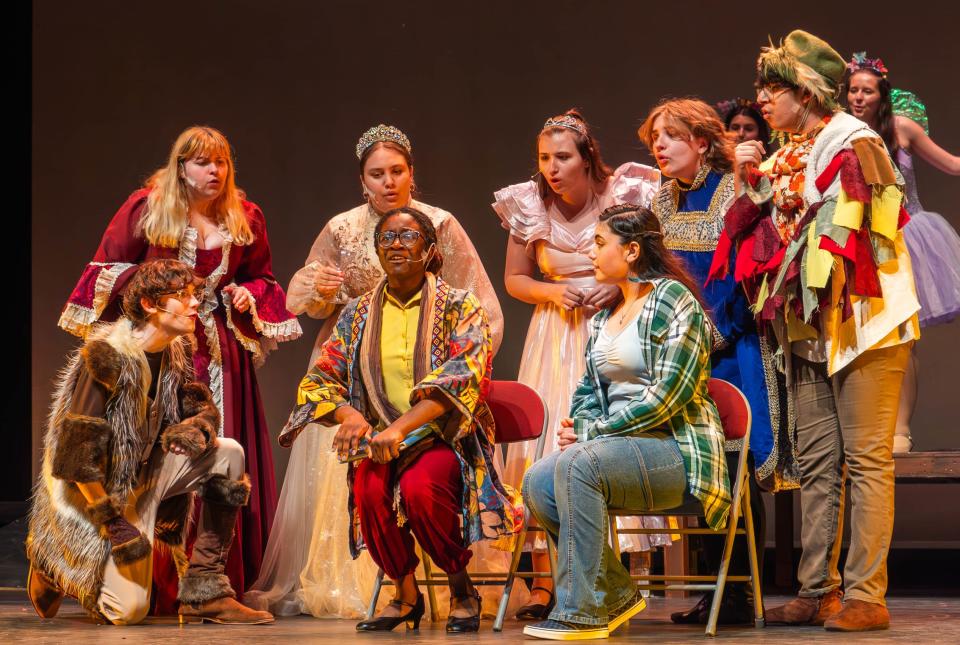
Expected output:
(64, 541)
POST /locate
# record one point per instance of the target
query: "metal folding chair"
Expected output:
(735, 416)
(519, 414)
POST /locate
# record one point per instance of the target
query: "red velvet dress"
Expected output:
(229, 343)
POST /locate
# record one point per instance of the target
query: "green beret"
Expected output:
(815, 53)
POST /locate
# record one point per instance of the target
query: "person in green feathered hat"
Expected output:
(820, 217)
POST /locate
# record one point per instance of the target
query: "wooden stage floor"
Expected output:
(915, 620)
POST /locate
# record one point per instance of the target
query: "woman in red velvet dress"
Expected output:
(191, 209)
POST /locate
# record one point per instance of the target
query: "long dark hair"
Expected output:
(632, 223)
(427, 229)
(885, 124)
(748, 110)
(587, 146)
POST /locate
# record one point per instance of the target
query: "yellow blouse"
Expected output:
(398, 340)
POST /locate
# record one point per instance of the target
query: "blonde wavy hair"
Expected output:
(167, 211)
(692, 118)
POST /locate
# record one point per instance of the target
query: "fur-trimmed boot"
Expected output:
(205, 593)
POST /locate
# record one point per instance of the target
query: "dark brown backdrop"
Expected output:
(293, 84)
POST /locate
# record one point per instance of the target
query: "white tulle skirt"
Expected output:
(307, 568)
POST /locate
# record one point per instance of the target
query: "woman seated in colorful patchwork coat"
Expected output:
(405, 374)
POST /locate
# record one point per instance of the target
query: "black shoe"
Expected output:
(387, 623)
(536, 611)
(696, 615)
(735, 609)
(468, 624)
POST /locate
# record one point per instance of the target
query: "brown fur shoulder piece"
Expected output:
(84, 446)
(103, 361)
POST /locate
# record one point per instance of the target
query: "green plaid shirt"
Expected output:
(675, 341)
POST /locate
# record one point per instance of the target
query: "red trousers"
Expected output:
(431, 489)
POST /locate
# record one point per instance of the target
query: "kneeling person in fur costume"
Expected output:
(130, 438)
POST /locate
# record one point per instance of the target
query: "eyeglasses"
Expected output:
(770, 93)
(408, 237)
(185, 294)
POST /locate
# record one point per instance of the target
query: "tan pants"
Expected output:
(845, 426)
(125, 595)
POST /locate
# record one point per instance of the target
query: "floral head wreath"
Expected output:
(565, 121)
(724, 108)
(860, 62)
(382, 133)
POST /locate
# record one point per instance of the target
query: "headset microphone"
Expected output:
(173, 313)
(423, 257)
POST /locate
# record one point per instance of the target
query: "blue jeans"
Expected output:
(569, 493)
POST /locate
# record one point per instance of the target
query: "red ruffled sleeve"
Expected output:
(268, 317)
(95, 297)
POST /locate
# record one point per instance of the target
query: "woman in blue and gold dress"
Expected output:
(687, 139)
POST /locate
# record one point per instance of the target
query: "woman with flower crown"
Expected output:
(307, 567)
(551, 221)
(901, 119)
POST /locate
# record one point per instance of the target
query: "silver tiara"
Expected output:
(566, 121)
(382, 133)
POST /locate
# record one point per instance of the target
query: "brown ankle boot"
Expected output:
(45, 595)
(226, 611)
(859, 616)
(806, 611)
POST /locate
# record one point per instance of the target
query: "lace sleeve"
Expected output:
(463, 269)
(302, 296)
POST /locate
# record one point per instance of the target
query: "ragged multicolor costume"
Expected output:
(819, 232)
(820, 250)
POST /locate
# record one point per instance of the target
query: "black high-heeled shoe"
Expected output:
(467, 624)
(536, 611)
(387, 623)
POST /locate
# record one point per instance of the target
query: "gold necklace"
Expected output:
(627, 308)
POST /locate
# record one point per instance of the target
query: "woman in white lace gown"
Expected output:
(307, 566)
(551, 222)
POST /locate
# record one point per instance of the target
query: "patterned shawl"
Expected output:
(454, 360)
